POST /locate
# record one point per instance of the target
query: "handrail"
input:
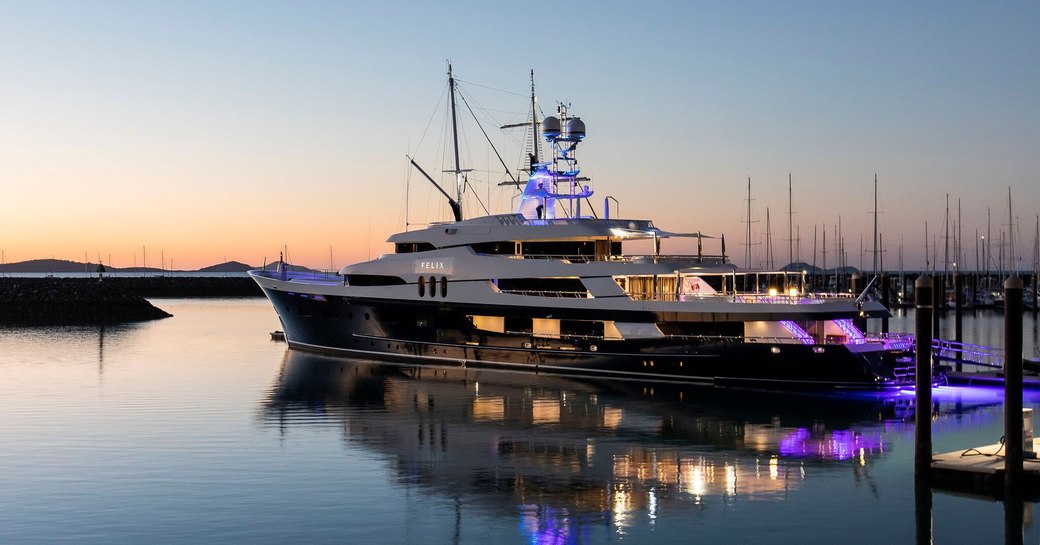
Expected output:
(974, 354)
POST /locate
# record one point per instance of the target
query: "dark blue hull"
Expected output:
(442, 333)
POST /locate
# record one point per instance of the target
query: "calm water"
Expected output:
(199, 429)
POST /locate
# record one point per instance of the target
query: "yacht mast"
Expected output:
(455, 138)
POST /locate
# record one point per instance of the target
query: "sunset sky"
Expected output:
(206, 131)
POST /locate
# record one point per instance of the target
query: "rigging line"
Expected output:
(491, 88)
(474, 191)
(488, 138)
(481, 107)
(430, 122)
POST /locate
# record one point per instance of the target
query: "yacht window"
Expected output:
(411, 247)
(433, 286)
(495, 248)
(444, 286)
(422, 286)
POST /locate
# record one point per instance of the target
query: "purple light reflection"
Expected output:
(834, 445)
(544, 525)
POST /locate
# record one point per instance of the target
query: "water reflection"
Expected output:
(562, 453)
(64, 344)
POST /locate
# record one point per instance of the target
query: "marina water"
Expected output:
(200, 429)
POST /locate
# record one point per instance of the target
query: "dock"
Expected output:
(979, 471)
(989, 378)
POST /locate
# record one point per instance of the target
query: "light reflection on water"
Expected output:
(199, 429)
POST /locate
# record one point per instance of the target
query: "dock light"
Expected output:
(772, 292)
(793, 292)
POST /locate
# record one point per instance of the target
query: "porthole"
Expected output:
(433, 286)
(444, 286)
(422, 286)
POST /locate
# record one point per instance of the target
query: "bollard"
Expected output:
(1013, 440)
(958, 298)
(923, 412)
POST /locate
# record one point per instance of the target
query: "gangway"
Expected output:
(974, 354)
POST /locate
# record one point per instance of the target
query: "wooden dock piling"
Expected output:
(1013, 441)
(923, 380)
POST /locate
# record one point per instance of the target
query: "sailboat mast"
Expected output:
(769, 242)
(790, 221)
(747, 252)
(1011, 239)
(960, 240)
(814, 258)
(455, 138)
(824, 247)
(875, 269)
(946, 238)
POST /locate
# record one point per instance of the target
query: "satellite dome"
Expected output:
(575, 128)
(551, 127)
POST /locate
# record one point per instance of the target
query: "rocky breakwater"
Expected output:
(71, 301)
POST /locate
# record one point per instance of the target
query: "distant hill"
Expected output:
(229, 267)
(64, 266)
(48, 266)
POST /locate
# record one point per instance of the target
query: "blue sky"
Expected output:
(192, 126)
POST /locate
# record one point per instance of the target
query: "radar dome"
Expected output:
(551, 127)
(575, 128)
